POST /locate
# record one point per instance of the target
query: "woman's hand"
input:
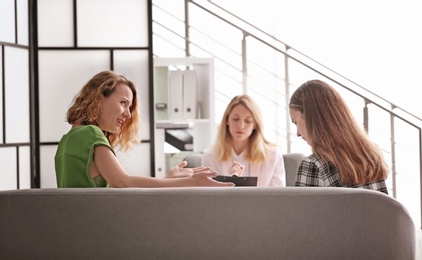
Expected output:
(179, 171)
(204, 178)
(237, 168)
(199, 176)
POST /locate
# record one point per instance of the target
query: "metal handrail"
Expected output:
(249, 33)
(302, 59)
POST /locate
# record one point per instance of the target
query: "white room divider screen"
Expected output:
(78, 39)
(72, 40)
(14, 96)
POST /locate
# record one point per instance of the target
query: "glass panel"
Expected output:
(170, 28)
(48, 173)
(24, 168)
(114, 23)
(1, 97)
(17, 95)
(135, 64)
(55, 23)
(265, 64)
(299, 73)
(266, 84)
(378, 126)
(176, 7)
(72, 69)
(22, 21)
(220, 39)
(228, 80)
(137, 160)
(8, 168)
(7, 17)
(407, 168)
(163, 47)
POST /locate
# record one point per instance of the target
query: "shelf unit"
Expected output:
(202, 125)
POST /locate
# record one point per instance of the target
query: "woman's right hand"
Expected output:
(237, 168)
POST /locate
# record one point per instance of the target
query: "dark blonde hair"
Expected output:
(336, 136)
(257, 150)
(86, 107)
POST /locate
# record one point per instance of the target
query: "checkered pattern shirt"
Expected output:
(313, 172)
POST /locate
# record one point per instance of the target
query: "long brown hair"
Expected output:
(86, 107)
(335, 134)
(257, 150)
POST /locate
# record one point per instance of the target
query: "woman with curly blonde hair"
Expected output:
(104, 115)
(241, 148)
(343, 155)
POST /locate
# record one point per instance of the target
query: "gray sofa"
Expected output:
(204, 223)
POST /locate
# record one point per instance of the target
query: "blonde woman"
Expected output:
(343, 155)
(241, 148)
(104, 115)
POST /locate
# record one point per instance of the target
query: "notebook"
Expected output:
(238, 180)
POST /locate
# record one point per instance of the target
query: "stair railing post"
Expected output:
(187, 48)
(393, 153)
(287, 97)
(420, 168)
(244, 64)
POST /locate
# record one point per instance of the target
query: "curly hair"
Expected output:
(257, 150)
(86, 107)
(335, 134)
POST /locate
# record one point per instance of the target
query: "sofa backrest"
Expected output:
(204, 223)
(194, 160)
(291, 165)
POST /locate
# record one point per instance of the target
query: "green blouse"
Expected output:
(74, 156)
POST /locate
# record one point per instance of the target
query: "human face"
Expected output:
(241, 123)
(299, 120)
(115, 109)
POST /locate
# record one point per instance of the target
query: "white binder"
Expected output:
(176, 94)
(190, 98)
(161, 92)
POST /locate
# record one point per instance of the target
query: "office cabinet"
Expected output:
(183, 109)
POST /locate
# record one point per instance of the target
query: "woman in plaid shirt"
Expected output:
(343, 155)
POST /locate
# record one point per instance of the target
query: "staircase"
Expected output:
(249, 60)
